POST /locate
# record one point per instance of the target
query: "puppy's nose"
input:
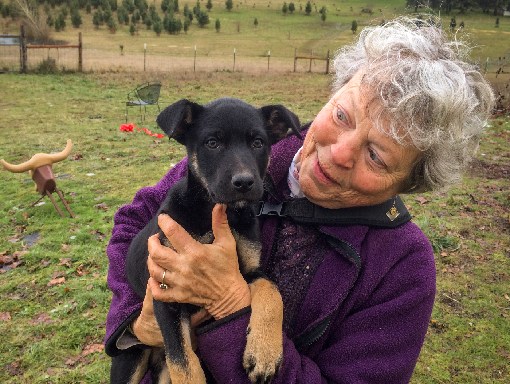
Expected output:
(243, 182)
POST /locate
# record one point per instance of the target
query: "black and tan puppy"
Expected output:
(228, 144)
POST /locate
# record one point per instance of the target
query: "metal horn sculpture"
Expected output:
(40, 168)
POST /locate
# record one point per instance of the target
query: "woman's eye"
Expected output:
(340, 115)
(212, 143)
(257, 143)
(375, 158)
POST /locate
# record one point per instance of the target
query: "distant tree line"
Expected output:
(136, 14)
(112, 13)
(494, 7)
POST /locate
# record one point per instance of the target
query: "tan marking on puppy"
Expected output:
(141, 368)
(164, 377)
(264, 345)
(193, 373)
(248, 253)
(193, 163)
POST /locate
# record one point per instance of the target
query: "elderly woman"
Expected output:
(357, 278)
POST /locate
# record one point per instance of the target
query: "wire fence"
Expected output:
(64, 58)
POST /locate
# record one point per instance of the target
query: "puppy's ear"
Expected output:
(175, 119)
(279, 120)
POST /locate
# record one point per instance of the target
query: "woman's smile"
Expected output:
(320, 173)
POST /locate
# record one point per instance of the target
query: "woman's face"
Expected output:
(345, 160)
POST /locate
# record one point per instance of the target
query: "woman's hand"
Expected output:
(206, 275)
(146, 328)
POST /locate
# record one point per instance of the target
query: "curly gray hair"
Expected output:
(427, 95)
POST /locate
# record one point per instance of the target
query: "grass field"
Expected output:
(53, 270)
(54, 296)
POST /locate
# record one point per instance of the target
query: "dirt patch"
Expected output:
(480, 168)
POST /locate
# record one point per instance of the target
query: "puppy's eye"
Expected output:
(257, 143)
(212, 143)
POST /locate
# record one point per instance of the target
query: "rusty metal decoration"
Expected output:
(40, 168)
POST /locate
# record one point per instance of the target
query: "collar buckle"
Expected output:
(270, 209)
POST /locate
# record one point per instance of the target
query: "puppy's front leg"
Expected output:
(264, 345)
(181, 361)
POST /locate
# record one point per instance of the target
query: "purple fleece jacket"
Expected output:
(363, 319)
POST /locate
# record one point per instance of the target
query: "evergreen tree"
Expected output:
(292, 7)
(157, 27)
(323, 12)
(308, 8)
(285, 8)
(49, 20)
(229, 4)
(112, 25)
(76, 18)
(209, 5)
(122, 15)
(202, 19)
(354, 26)
(97, 18)
(165, 5)
(129, 5)
(217, 25)
(256, 22)
(60, 22)
(141, 5)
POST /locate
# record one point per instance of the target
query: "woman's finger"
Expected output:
(221, 229)
(176, 234)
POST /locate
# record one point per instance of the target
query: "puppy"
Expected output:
(228, 145)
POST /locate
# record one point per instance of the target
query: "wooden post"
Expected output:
(80, 53)
(234, 68)
(327, 63)
(23, 50)
(144, 55)
(295, 58)
(195, 59)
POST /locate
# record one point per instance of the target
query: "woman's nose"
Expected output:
(345, 151)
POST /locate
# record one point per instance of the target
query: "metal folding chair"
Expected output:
(142, 96)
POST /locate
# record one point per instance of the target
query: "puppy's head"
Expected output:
(228, 143)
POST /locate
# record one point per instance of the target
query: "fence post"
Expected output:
(327, 63)
(23, 50)
(80, 53)
(234, 67)
(295, 58)
(144, 55)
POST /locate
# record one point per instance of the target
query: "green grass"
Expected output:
(53, 327)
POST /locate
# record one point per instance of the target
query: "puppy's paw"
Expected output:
(263, 354)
